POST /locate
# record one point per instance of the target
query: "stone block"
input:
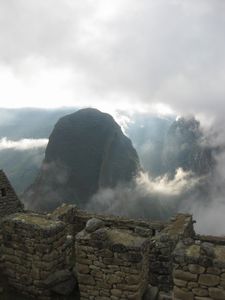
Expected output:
(200, 292)
(196, 269)
(182, 295)
(217, 294)
(209, 280)
(186, 276)
(179, 282)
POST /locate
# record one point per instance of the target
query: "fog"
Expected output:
(146, 197)
(159, 192)
(24, 144)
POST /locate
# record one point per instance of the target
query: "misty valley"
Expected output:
(137, 165)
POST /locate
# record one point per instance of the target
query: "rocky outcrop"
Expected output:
(87, 150)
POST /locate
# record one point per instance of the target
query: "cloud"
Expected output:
(121, 53)
(182, 182)
(209, 217)
(146, 197)
(208, 208)
(23, 144)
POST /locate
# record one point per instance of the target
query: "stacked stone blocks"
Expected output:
(161, 249)
(34, 247)
(111, 263)
(199, 269)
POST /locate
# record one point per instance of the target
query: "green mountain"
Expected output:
(87, 150)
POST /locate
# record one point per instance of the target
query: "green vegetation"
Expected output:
(35, 219)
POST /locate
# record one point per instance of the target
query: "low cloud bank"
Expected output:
(163, 185)
(162, 197)
(146, 197)
(23, 144)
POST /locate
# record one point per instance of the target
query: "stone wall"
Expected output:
(111, 263)
(114, 261)
(199, 269)
(34, 249)
(9, 202)
(163, 238)
(1, 258)
(114, 258)
(78, 218)
(162, 247)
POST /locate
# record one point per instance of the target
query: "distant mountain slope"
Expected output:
(87, 150)
(22, 167)
(166, 144)
(185, 147)
(148, 133)
(29, 122)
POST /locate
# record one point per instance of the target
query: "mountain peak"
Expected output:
(87, 150)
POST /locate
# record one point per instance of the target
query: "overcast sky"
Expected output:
(120, 53)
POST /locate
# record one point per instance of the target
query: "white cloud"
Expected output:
(146, 197)
(35, 84)
(114, 54)
(23, 144)
(182, 182)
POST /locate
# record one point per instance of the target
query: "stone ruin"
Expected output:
(111, 263)
(9, 202)
(73, 254)
(34, 248)
(199, 268)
